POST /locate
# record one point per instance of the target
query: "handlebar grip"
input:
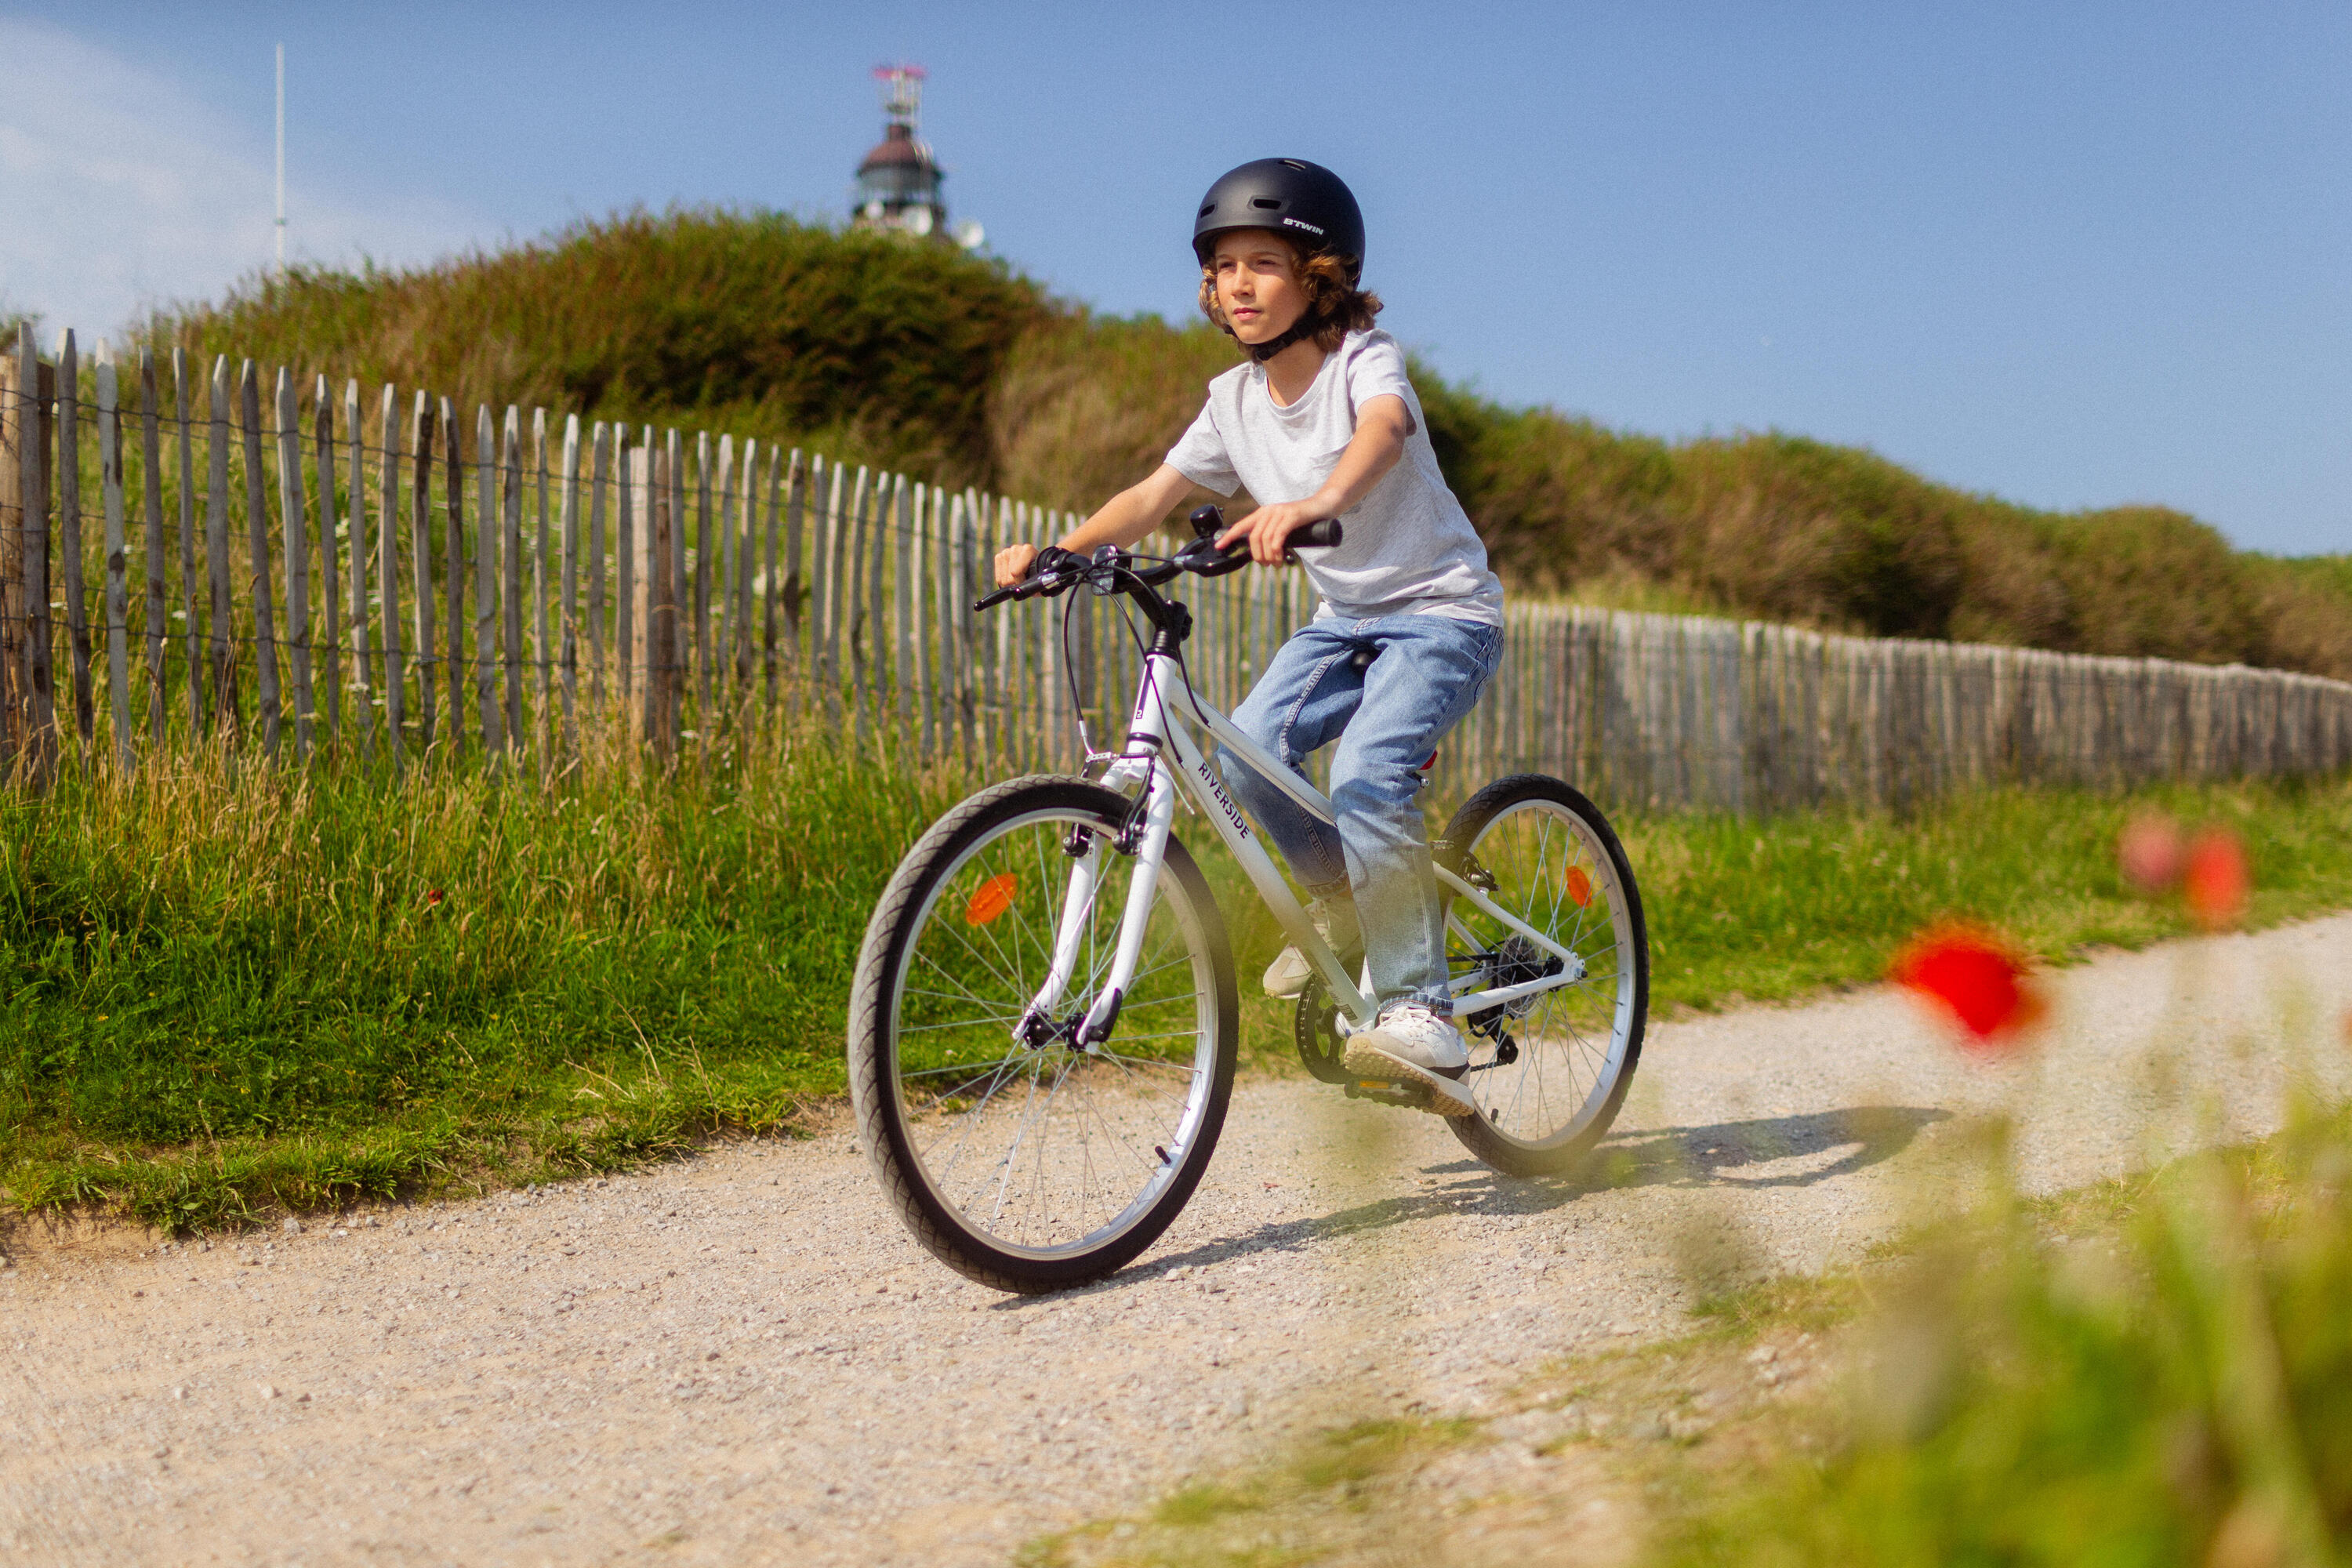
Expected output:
(1318, 535)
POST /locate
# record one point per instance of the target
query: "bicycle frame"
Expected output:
(1161, 749)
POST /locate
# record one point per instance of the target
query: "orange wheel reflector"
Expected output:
(995, 897)
(1580, 887)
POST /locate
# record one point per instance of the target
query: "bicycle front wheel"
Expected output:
(1019, 1157)
(1548, 1070)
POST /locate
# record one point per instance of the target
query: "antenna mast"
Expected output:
(281, 160)
(902, 94)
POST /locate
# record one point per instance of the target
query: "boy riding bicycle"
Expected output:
(1322, 422)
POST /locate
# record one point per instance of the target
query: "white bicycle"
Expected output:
(1045, 1020)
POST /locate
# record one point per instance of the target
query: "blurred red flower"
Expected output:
(2149, 853)
(1976, 978)
(2215, 879)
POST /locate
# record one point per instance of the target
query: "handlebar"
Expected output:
(1201, 558)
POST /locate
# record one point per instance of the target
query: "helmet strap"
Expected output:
(1306, 326)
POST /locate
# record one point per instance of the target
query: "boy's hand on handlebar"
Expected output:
(1013, 564)
(1269, 528)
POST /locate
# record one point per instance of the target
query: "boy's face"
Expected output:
(1257, 284)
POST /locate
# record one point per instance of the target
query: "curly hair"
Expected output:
(1334, 306)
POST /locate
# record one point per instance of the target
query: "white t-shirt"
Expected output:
(1407, 547)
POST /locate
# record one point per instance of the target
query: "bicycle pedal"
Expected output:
(1387, 1091)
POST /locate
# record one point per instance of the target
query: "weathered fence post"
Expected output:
(257, 532)
(420, 565)
(77, 600)
(37, 384)
(511, 560)
(387, 580)
(17, 417)
(456, 581)
(570, 530)
(486, 584)
(657, 601)
(702, 542)
(542, 659)
(830, 546)
(675, 579)
(151, 504)
(355, 545)
(784, 596)
(298, 560)
(330, 560)
(629, 477)
(600, 464)
(118, 588)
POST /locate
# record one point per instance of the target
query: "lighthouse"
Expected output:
(899, 182)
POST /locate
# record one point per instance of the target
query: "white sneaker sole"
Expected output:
(1366, 1059)
(1288, 984)
(1284, 983)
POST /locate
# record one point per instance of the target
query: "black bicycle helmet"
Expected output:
(1289, 195)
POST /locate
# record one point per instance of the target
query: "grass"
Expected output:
(2167, 1389)
(870, 349)
(2146, 1371)
(224, 995)
(1741, 911)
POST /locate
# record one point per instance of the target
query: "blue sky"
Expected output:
(2072, 254)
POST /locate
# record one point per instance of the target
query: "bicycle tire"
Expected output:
(907, 1096)
(1556, 836)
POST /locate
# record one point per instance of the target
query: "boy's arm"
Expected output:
(1381, 425)
(1124, 520)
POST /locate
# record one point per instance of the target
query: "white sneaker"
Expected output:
(1410, 1044)
(1334, 920)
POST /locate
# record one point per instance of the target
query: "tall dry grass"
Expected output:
(874, 349)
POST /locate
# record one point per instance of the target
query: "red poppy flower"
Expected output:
(2215, 879)
(2149, 853)
(1978, 980)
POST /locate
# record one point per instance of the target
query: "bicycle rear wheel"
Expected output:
(1030, 1164)
(1548, 1071)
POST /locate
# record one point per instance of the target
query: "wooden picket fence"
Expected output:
(309, 577)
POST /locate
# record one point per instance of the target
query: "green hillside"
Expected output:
(956, 367)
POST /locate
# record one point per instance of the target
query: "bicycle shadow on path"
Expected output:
(1798, 1151)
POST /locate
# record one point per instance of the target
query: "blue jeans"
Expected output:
(1426, 672)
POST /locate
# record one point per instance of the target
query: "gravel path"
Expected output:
(744, 1358)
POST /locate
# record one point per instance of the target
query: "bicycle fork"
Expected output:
(1036, 1026)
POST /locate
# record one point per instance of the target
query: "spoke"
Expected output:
(1013, 1153)
(1188, 1069)
(975, 997)
(1127, 1065)
(905, 1029)
(1162, 1035)
(1078, 1146)
(1149, 1166)
(974, 1072)
(978, 957)
(1044, 1128)
(1006, 1069)
(1142, 974)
